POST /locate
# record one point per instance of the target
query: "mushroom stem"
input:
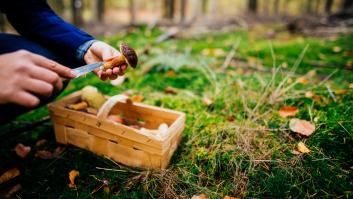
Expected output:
(116, 61)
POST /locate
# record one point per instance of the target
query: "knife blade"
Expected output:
(86, 68)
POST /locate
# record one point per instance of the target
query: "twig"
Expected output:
(118, 170)
(230, 55)
(330, 92)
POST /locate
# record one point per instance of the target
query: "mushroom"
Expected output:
(127, 56)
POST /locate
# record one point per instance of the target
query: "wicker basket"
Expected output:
(123, 144)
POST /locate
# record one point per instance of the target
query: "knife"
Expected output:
(82, 70)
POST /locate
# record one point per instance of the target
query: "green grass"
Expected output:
(248, 157)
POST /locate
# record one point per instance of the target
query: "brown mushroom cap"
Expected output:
(129, 54)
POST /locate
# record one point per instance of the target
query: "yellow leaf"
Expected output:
(202, 196)
(72, 175)
(341, 91)
(302, 80)
(302, 148)
(22, 150)
(351, 85)
(9, 174)
(302, 127)
(336, 49)
(286, 111)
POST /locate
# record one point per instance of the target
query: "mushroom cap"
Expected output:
(129, 54)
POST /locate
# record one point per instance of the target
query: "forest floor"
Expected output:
(239, 145)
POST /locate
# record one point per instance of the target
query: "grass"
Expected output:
(248, 157)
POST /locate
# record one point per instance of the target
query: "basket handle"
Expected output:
(109, 104)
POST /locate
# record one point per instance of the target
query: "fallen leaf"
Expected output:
(347, 53)
(202, 196)
(13, 191)
(22, 150)
(302, 127)
(44, 154)
(311, 73)
(351, 85)
(351, 167)
(231, 118)
(72, 176)
(349, 64)
(40, 142)
(137, 98)
(302, 80)
(286, 111)
(336, 49)
(341, 91)
(58, 151)
(229, 197)
(207, 101)
(9, 174)
(309, 94)
(295, 152)
(302, 148)
(170, 73)
(170, 90)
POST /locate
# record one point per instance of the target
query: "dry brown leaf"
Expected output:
(44, 154)
(22, 150)
(58, 151)
(286, 111)
(207, 101)
(302, 148)
(302, 127)
(349, 64)
(347, 53)
(229, 197)
(72, 176)
(40, 142)
(137, 98)
(295, 152)
(336, 49)
(231, 118)
(302, 80)
(170, 73)
(170, 90)
(351, 167)
(201, 196)
(9, 174)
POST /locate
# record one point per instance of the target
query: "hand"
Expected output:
(100, 51)
(24, 77)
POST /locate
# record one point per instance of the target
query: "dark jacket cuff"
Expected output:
(82, 49)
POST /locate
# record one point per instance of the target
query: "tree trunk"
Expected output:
(182, 10)
(132, 9)
(252, 6)
(204, 7)
(328, 6)
(309, 6)
(98, 9)
(346, 5)
(168, 9)
(213, 9)
(276, 7)
(76, 6)
(2, 23)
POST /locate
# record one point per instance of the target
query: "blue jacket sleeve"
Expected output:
(35, 20)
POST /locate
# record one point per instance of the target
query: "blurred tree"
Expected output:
(76, 7)
(58, 6)
(168, 9)
(182, 10)
(275, 7)
(252, 6)
(2, 23)
(132, 9)
(98, 10)
(309, 6)
(214, 9)
(346, 5)
(328, 6)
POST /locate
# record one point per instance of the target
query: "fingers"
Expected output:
(47, 76)
(38, 87)
(116, 70)
(25, 99)
(53, 66)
